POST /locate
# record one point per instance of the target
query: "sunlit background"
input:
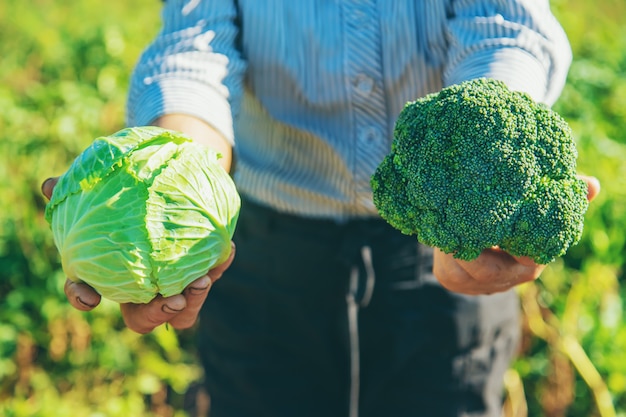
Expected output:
(64, 71)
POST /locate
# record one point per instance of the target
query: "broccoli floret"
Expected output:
(477, 165)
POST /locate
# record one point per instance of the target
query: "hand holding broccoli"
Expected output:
(493, 270)
(485, 175)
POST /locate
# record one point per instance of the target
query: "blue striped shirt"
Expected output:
(308, 90)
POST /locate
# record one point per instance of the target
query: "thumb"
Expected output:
(593, 186)
(48, 185)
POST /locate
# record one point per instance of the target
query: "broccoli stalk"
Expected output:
(477, 165)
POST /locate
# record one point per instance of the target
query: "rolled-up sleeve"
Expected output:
(193, 67)
(517, 41)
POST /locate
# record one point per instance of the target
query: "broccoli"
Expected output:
(477, 165)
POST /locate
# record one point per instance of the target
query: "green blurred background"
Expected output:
(63, 79)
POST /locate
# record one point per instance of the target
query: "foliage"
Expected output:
(582, 295)
(63, 82)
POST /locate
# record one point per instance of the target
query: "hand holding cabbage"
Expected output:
(141, 213)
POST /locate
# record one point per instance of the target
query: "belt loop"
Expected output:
(370, 275)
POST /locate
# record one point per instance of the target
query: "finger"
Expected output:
(143, 318)
(593, 186)
(525, 260)
(454, 278)
(195, 294)
(48, 185)
(500, 270)
(493, 271)
(81, 296)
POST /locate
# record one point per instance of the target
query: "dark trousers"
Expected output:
(321, 319)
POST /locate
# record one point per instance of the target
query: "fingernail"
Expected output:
(167, 309)
(80, 300)
(200, 285)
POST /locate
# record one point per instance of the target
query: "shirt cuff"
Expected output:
(176, 96)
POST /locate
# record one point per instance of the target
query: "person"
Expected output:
(326, 310)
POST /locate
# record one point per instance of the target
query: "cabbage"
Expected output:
(143, 212)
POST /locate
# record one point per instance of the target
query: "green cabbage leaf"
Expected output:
(143, 212)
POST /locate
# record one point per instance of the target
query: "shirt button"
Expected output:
(369, 135)
(363, 84)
